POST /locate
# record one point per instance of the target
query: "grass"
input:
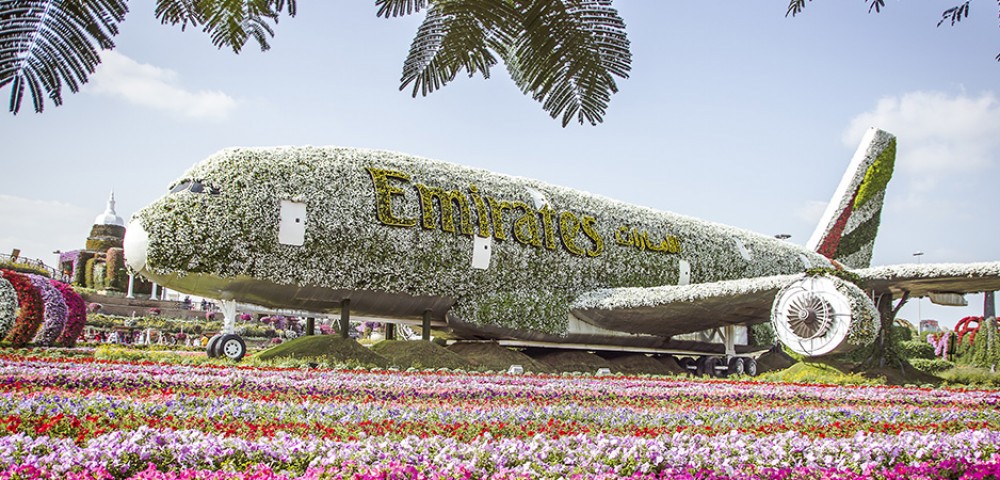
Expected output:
(420, 355)
(323, 350)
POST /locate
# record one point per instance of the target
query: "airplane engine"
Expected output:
(820, 315)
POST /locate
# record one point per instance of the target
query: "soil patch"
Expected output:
(330, 348)
(569, 360)
(419, 354)
(670, 363)
(774, 360)
(490, 356)
(638, 364)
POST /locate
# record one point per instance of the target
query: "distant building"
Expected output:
(929, 326)
(101, 263)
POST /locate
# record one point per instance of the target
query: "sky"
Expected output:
(733, 113)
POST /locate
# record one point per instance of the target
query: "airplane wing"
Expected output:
(920, 280)
(674, 310)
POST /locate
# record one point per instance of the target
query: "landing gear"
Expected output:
(717, 366)
(210, 349)
(227, 344)
(232, 347)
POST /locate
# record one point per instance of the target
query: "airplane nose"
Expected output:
(135, 243)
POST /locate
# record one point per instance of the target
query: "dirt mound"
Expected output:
(774, 360)
(490, 356)
(420, 354)
(639, 364)
(670, 363)
(330, 348)
(569, 360)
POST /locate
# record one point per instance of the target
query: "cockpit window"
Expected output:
(180, 187)
(195, 186)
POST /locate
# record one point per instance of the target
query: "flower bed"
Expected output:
(86, 419)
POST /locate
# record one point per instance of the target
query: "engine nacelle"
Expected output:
(820, 315)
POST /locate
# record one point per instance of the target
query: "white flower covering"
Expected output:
(8, 306)
(864, 315)
(617, 298)
(234, 234)
(932, 270)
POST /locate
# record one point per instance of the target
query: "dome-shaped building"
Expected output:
(108, 230)
(100, 264)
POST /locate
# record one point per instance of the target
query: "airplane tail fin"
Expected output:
(846, 232)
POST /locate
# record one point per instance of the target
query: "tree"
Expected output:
(954, 14)
(565, 54)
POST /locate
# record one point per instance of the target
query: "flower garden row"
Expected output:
(85, 419)
(37, 309)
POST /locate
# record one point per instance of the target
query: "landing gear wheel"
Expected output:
(231, 347)
(706, 366)
(686, 363)
(210, 348)
(750, 366)
(737, 366)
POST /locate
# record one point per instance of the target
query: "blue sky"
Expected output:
(733, 113)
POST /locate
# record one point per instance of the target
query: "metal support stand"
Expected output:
(345, 318)
(131, 285)
(228, 317)
(390, 331)
(729, 339)
(426, 326)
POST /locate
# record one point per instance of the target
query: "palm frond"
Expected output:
(795, 7)
(955, 14)
(181, 12)
(47, 43)
(454, 36)
(566, 55)
(230, 23)
(399, 8)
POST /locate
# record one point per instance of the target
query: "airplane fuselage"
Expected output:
(308, 228)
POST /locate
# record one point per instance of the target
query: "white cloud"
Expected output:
(39, 227)
(811, 212)
(153, 87)
(938, 133)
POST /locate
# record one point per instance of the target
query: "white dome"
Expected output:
(109, 217)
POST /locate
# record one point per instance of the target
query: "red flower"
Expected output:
(30, 306)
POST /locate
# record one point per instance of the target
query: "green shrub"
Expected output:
(762, 334)
(932, 366)
(809, 372)
(903, 333)
(116, 278)
(88, 273)
(917, 349)
(966, 375)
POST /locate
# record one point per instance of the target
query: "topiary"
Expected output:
(76, 314)
(8, 306)
(30, 309)
(88, 273)
(114, 270)
(54, 318)
(916, 349)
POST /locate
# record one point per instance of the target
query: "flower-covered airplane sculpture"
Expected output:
(490, 256)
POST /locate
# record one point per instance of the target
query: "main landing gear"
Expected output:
(227, 344)
(718, 366)
(721, 366)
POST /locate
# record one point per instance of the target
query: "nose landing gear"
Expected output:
(227, 344)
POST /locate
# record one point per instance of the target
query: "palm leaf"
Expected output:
(47, 43)
(455, 35)
(230, 23)
(399, 8)
(566, 54)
